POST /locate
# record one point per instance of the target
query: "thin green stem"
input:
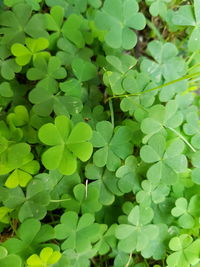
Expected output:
(191, 58)
(112, 113)
(154, 29)
(59, 200)
(157, 87)
(129, 259)
(183, 138)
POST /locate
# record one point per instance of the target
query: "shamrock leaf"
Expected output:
(53, 23)
(76, 30)
(105, 182)
(158, 7)
(161, 117)
(33, 3)
(5, 90)
(79, 233)
(46, 100)
(7, 260)
(137, 234)
(167, 162)
(181, 210)
(26, 241)
(119, 18)
(109, 153)
(8, 66)
(188, 15)
(129, 179)
(33, 49)
(135, 83)
(191, 126)
(86, 199)
(68, 143)
(167, 66)
(4, 215)
(46, 258)
(155, 192)
(84, 71)
(157, 247)
(33, 205)
(46, 72)
(16, 23)
(186, 251)
(69, 52)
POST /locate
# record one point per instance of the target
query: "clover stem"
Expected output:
(112, 113)
(157, 87)
(129, 259)
(59, 200)
(191, 58)
(146, 263)
(183, 138)
(86, 188)
(154, 29)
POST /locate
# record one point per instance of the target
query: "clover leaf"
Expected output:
(69, 52)
(46, 258)
(4, 214)
(191, 126)
(105, 182)
(15, 24)
(158, 7)
(30, 205)
(167, 162)
(53, 23)
(5, 90)
(85, 198)
(181, 210)
(33, 3)
(118, 71)
(7, 260)
(46, 72)
(68, 143)
(165, 56)
(108, 143)
(160, 118)
(8, 66)
(84, 71)
(188, 15)
(119, 18)
(46, 100)
(75, 29)
(26, 241)
(129, 178)
(152, 192)
(79, 233)
(33, 49)
(137, 234)
(186, 251)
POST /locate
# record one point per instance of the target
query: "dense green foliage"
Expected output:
(99, 133)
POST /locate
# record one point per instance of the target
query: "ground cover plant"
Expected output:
(99, 133)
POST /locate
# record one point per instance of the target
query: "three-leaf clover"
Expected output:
(167, 162)
(47, 72)
(186, 251)
(117, 18)
(137, 234)
(112, 146)
(105, 182)
(68, 143)
(46, 258)
(166, 65)
(158, 7)
(182, 210)
(7, 260)
(188, 15)
(160, 118)
(85, 198)
(33, 49)
(152, 192)
(8, 66)
(28, 237)
(78, 233)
